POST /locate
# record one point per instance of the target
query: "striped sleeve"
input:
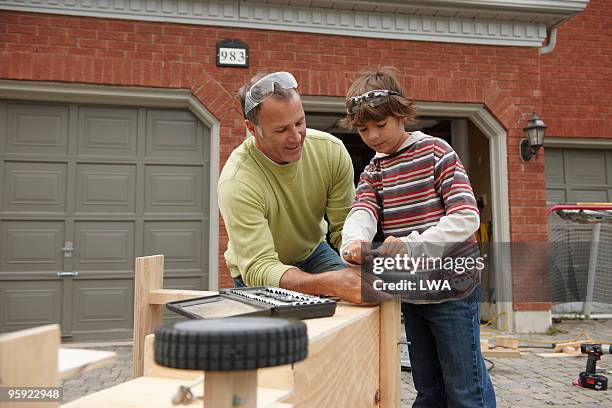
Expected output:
(367, 196)
(451, 181)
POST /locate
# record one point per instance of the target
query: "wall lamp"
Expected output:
(535, 138)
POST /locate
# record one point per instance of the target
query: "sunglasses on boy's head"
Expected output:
(371, 98)
(263, 88)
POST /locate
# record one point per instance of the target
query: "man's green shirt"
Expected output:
(273, 213)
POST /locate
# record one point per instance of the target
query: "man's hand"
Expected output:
(352, 252)
(391, 247)
(347, 284)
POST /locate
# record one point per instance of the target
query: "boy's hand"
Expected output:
(352, 252)
(391, 247)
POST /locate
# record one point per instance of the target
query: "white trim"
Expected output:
(150, 97)
(577, 143)
(515, 23)
(497, 136)
(461, 141)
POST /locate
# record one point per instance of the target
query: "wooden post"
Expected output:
(390, 370)
(29, 358)
(149, 275)
(230, 389)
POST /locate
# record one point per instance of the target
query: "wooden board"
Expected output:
(28, 358)
(389, 352)
(78, 361)
(149, 275)
(148, 392)
(506, 342)
(342, 368)
(499, 352)
(559, 347)
(556, 355)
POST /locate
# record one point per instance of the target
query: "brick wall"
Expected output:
(512, 82)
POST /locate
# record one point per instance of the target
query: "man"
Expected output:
(276, 188)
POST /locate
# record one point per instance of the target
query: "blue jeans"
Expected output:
(447, 367)
(323, 259)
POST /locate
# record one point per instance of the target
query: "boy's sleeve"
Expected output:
(247, 228)
(462, 216)
(340, 194)
(451, 181)
(367, 196)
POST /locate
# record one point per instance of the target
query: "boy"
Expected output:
(416, 188)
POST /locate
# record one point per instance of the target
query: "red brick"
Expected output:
(112, 35)
(34, 20)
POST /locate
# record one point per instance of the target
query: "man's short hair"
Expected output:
(279, 92)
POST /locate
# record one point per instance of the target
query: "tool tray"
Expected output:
(255, 301)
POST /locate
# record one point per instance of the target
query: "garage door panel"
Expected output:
(102, 304)
(37, 128)
(32, 246)
(104, 131)
(104, 246)
(173, 134)
(586, 167)
(34, 187)
(178, 241)
(29, 303)
(585, 175)
(173, 189)
(554, 169)
(588, 196)
(106, 188)
(556, 195)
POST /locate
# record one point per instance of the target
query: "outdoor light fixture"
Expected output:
(535, 137)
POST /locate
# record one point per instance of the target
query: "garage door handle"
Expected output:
(67, 274)
(68, 248)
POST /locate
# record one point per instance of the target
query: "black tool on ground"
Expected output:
(590, 378)
(255, 301)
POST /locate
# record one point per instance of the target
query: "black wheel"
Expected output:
(240, 343)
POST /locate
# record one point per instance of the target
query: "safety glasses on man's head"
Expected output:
(263, 88)
(372, 98)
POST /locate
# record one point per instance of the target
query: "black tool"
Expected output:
(590, 378)
(255, 301)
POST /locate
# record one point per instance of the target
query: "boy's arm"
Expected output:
(360, 226)
(361, 223)
(462, 217)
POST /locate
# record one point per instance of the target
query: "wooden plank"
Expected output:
(501, 352)
(342, 368)
(506, 342)
(163, 296)
(484, 344)
(78, 361)
(556, 355)
(559, 347)
(281, 377)
(149, 392)
(29, 358)
(152, 369)
(228, 389)
(149, 275)
(389, 352)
